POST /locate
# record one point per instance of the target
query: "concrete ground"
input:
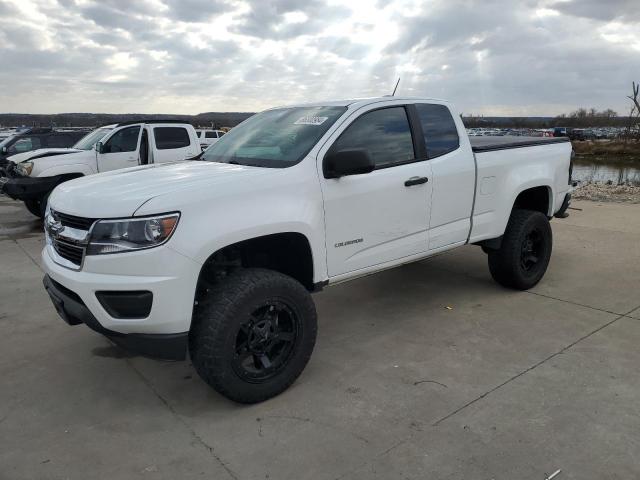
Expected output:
(429, 371)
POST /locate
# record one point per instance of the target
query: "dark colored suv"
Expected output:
(38, 138)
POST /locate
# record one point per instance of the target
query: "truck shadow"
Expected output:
(112, 351)
(15, 221)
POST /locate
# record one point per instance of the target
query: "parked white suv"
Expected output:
(208, 137)
(219, 256)
(32, 178)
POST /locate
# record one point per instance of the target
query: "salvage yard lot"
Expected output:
(430, 370)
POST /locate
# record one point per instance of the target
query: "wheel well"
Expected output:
(288, 253)
(536, 198)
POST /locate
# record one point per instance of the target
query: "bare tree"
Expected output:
(634, 114)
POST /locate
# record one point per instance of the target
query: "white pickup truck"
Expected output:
(33, 175)
(208, 137)
(219, 256)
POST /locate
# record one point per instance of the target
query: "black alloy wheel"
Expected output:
(265, 342)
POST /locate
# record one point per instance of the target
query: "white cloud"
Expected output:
(122, 61)
(536, 57)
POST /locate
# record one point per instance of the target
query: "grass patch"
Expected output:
(607, 147)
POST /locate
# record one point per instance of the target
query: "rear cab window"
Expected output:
(59, 141)
(168, 138)
(439, 129)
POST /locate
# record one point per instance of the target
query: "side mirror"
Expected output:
(347, 162)
(99, 147)
(4, 149)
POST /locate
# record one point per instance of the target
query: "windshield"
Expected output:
(274, 138)
(89, 140)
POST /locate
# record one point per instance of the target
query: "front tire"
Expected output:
(37, 207)
(524, 255)
(253, 334)
(34, 207)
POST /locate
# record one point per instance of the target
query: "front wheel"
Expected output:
(34, 207)
(253, 334)
(524, 255)
(37, 207)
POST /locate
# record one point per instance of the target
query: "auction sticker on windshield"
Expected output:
(311, 120)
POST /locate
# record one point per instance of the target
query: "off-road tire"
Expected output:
(34, 207)
(37, 206)
(43, 204)
(506, 264)
(218, 318)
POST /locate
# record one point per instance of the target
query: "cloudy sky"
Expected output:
(493, 57)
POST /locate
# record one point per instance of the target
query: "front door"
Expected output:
(381, 216)
(120, 150)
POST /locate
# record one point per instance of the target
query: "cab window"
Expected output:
(125, 140)
(25, 145)
(384, 133)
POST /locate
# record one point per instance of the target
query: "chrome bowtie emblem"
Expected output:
(54, 226)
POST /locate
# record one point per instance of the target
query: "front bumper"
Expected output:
(73, 311)
(27, 188)
(169, 276)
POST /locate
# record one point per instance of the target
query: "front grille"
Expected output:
(72, 221)
(68, 235)
(69, 252)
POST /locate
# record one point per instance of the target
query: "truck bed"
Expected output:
(487, 144)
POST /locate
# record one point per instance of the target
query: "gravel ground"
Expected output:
(601, 192)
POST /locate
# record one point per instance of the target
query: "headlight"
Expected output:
(25, 168)
(126, 235)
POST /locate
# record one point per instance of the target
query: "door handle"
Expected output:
(415, 181)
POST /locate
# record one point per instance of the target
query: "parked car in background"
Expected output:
(85, 143)
(36, 138)
(219, 256)
(208, 137)
(124, 145)
(578, 134)
(561, 131)
(6, 133)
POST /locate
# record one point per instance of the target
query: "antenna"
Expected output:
(394, 90)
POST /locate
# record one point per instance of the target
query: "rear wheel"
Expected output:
(253, 335)
(524, 255)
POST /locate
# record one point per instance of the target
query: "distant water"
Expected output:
(616, 171)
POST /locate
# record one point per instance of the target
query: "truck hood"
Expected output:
(41, 152)
(121, 192)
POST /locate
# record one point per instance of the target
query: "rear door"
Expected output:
(173, 142)
(453, 167)
(121, 149)
(383, 215)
